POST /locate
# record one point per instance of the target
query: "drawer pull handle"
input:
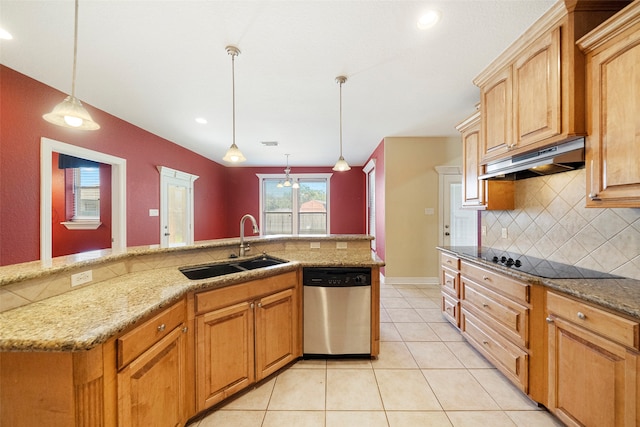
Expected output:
(448, 261)
(485, 342)
(581, 315)
(485, 305)
(549, 320)
(448, 282)
(486, 278)
(161, 327)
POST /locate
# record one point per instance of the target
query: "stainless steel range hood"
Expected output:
(559, 158)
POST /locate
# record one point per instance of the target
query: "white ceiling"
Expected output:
(161, 64)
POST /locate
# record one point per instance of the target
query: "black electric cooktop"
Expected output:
(535, 266)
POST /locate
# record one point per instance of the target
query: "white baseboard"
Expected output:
(410, 280)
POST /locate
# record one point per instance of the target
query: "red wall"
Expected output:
(347, 197)
(22, 102)
(222, 195)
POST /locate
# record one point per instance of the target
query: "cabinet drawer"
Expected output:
(450, 261)
(510, 359)
(134, 343)
(451, 309)
(613, 327)
(512, 319)
(450, 281)
(496, 281)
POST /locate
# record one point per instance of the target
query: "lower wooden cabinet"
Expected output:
(450, 287)
(593, 377)
(243, 334)
(152, 375)
(151, 389)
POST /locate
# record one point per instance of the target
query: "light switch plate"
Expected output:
(154, 212)
(504, 233)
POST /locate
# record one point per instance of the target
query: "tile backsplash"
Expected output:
(550, 221)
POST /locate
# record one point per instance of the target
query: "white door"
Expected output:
(460, 226)
(176, 207)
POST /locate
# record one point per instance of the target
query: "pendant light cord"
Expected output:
(233, 94)
(341, 118)
(75, 54)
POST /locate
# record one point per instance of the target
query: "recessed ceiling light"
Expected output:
(5, 35)
(201, 120)
(428, 19)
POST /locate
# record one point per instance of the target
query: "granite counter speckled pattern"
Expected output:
(86, 317)
(619, 295)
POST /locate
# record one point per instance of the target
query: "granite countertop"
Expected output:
(87, 317)
(621, 295)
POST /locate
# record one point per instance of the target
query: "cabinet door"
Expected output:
(613, 147)
(536, 91)
(151, 388)
(224, 353)
(592, 381)
(496, 106)
(276, 332)
(472, 189)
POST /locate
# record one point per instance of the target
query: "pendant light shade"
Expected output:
(233, 155)
(70, 113)
(341, 165)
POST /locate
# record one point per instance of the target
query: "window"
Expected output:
(86, 193)
(288, 210)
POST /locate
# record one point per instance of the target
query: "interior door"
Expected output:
(460, 226)
(176, 207)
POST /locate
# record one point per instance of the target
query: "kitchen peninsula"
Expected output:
(86, 355)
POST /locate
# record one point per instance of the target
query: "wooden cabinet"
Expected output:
(613, 94)
(244, 333)
(476, 194)
(152, 360)
(593, 365)
(532, 95)
(494, 318)
(450, 287)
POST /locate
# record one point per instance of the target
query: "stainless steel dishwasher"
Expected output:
(337, 311)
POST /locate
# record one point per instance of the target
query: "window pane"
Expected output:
(278, 208)
(312, 207)
(87, 190)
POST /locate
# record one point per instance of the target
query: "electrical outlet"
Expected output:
(315, 245)
(81, 278)
(483, 230)
(341, 245)
(504, 233)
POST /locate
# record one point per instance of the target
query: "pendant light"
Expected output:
(341, 164)
(288, 182)
(233, 155)
(70, 113)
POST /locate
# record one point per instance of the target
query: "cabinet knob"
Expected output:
(161, 327)
(252, 305)
(184, 330)
(549, 320)
(259, 304)
(581, 315)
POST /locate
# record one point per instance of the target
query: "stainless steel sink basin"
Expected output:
(220, 269)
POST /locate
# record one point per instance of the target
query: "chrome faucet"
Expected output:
(245, 247)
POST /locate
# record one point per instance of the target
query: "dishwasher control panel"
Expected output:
(336, 276)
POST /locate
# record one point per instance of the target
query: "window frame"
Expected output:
(295, 208)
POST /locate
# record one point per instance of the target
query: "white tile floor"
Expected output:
(426, 375)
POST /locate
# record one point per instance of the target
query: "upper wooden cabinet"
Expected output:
(613, 100)
(476, 194)
(532, 95)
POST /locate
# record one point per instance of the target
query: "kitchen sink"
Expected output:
(220, 269)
